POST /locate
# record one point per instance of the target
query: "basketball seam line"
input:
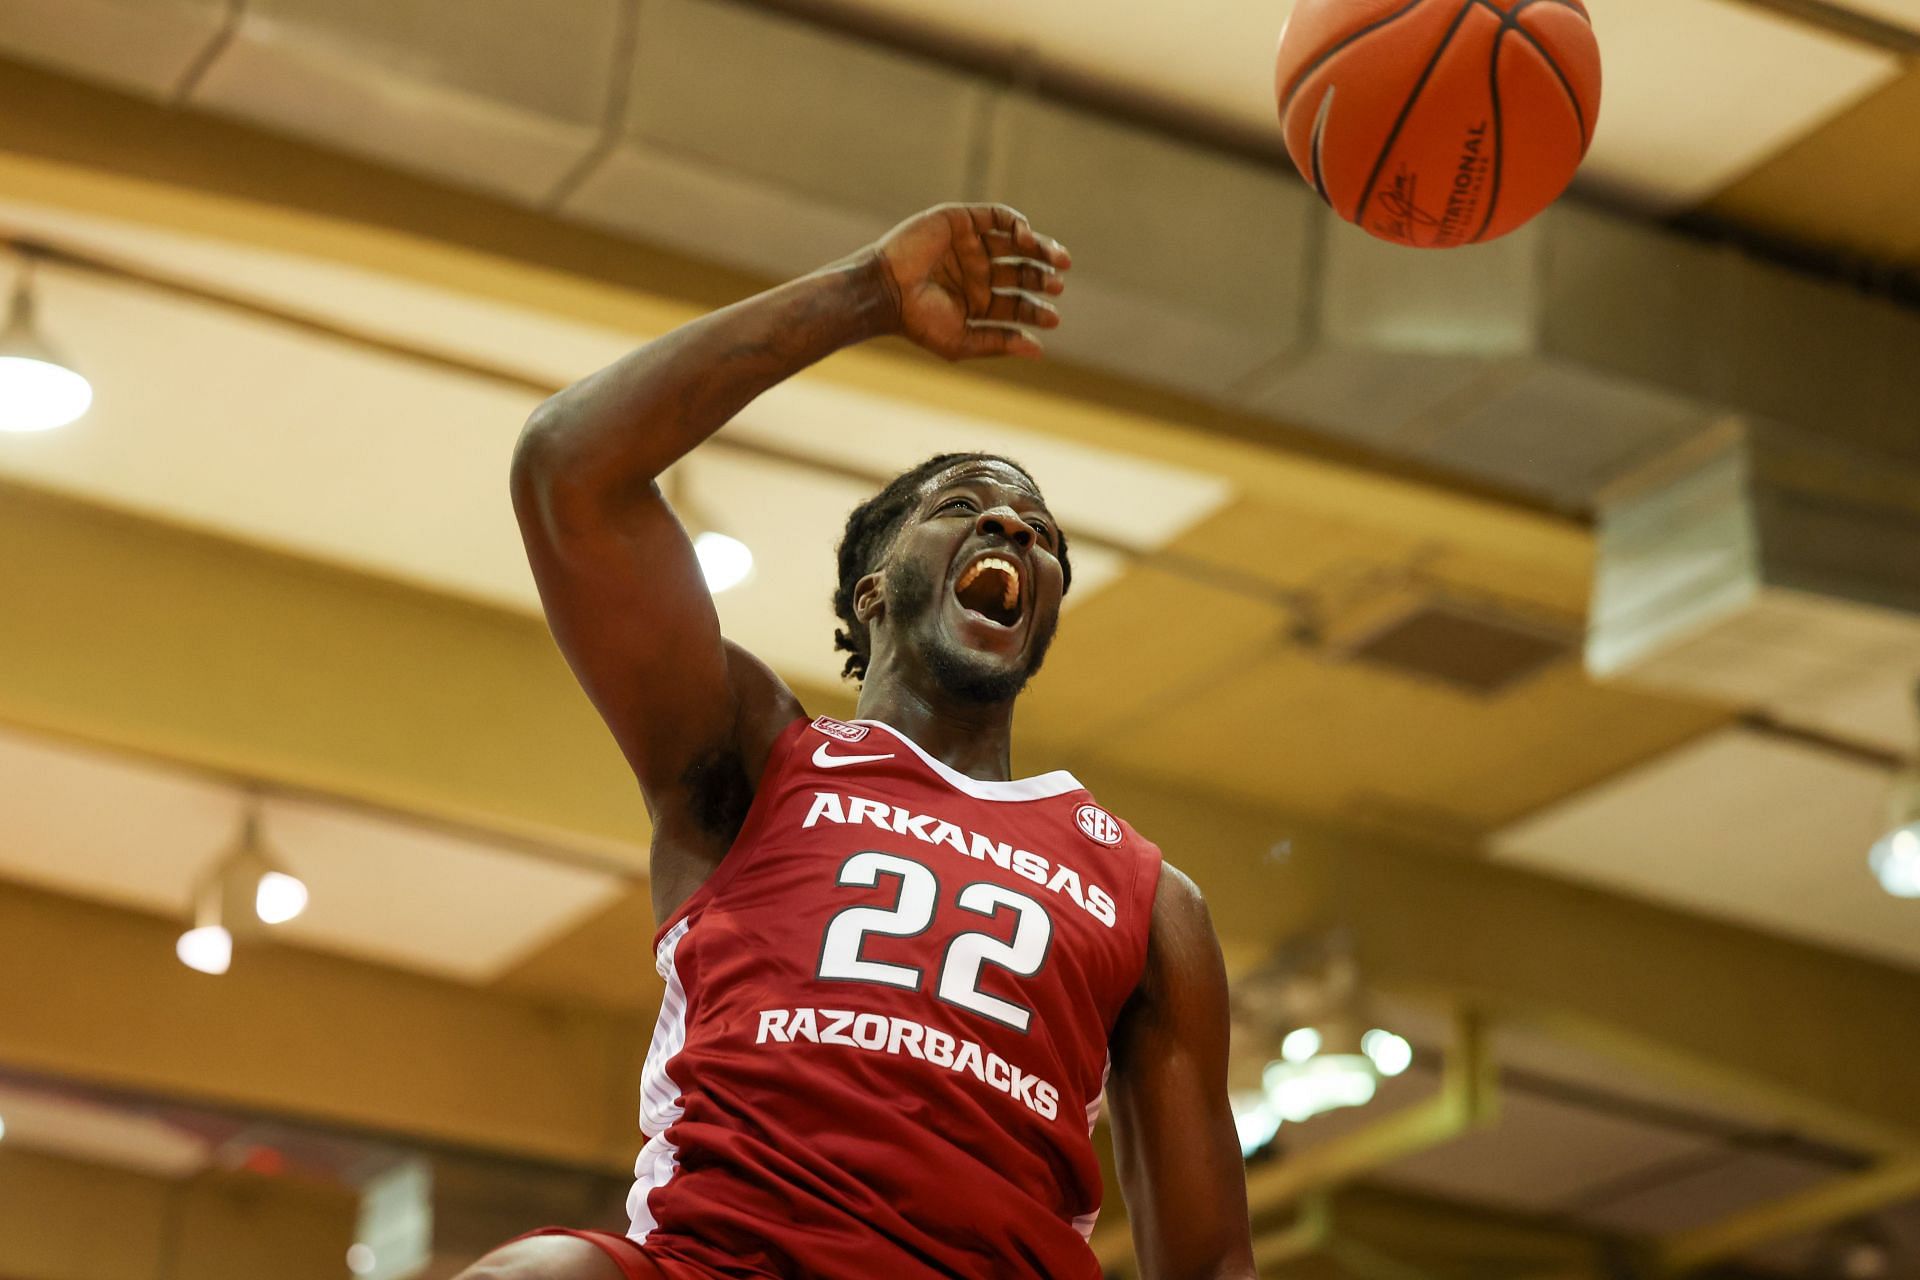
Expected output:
(1406, 110)
(1553, 65)
(1499, 130)
(1319, 139)
(1286, 99)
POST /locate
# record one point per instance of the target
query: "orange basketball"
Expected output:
(1438, 123)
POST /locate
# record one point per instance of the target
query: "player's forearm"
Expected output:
(617, 430)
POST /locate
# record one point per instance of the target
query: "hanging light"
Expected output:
(1895, 856)
(38, 389)
(725, 562)
(246, 877)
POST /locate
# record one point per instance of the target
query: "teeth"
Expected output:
(995, 562)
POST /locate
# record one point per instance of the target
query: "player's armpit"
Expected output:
(1174, 1139)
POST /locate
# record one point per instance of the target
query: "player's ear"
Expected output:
(869, 598)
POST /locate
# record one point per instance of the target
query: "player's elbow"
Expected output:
(536, 452)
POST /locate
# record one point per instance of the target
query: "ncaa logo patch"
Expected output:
(1097, 825)
(839, 730)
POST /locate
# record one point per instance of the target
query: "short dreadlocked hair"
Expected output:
(871, 527)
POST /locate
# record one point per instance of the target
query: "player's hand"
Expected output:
(973, 280)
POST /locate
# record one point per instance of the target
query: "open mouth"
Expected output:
(990, 587)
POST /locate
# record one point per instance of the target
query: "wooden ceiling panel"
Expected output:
(1138, 643)
(1346, 741)
(1295, 548)
(1338, 560)
(1848, 185)
(606, 960)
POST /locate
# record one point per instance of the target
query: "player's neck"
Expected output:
(972, 738)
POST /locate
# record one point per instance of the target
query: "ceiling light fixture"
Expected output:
(38, 389)
(1895, 856)
(245, 876)
(725, 562)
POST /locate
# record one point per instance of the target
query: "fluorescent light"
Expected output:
(724, 562)
(1896, 861)
(1390, 1054)
(207, 949)
(3, 1127)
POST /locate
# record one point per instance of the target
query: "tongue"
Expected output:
(987, 593)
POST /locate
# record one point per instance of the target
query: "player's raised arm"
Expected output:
(618, 577)
(1174, 1140)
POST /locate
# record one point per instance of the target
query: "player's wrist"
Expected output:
(868, 297)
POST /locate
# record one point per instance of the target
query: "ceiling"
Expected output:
(362, 453)
(144, 835)
(1215, 642)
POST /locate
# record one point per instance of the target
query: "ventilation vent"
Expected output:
(1467, 646)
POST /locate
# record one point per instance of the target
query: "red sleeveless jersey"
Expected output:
(884, 1035)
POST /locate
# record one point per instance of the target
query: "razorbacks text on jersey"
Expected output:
(884, 1035)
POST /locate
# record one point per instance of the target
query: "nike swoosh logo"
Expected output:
(824, 761)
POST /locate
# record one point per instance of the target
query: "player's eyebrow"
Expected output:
(982, 477)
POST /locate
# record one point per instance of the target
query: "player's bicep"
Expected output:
(630, 610)
(1174, 1140)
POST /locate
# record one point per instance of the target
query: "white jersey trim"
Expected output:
(660, 1106)
(1040, 787)
(1085, 1223)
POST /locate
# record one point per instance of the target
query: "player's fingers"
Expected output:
(1005, 224)
(1030, 308)
(1027, 273)
(1002, 338)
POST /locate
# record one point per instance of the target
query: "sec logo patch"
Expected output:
(1097, 825)
(840, 730)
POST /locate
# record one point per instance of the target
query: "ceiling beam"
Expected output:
(170, 643)
(94, 994)
(1836, 1200)
(1815, 1038)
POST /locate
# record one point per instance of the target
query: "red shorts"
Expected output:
(633, 1261)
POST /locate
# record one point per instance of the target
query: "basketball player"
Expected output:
(895, 977)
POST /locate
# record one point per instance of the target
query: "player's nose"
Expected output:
(1005, 522)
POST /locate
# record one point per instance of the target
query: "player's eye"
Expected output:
(966, 504)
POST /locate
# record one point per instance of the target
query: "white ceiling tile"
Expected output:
(1700, 91)
(1741, 825)
(1141, 503)
(146, 46)
(423, 899)
(284, 439)
(101, 826)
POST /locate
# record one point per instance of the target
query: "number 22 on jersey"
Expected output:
(912, 914)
